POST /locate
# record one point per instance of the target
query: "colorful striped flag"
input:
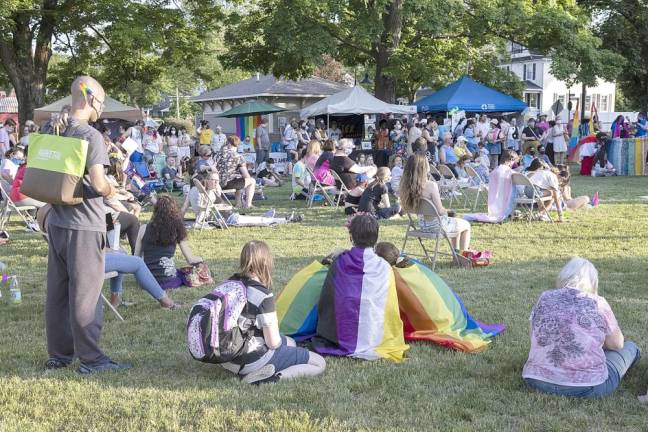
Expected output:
(573, 141)
(245, 126)
(431, 311)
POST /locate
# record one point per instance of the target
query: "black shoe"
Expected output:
(103, 367)
(54, 363)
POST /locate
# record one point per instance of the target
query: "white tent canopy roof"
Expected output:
(112, 109)
(354, 100)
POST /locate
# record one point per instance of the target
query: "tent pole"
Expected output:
(327, 123)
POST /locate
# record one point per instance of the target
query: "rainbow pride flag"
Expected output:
(297, 303)
(245, 127)
(431, 311)
(573, 141)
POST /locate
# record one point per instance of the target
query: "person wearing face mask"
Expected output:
(9, 167)
(136, 133)
(303, 137)
(513, 136)
(414, 133)
(557, 132)
(19, 199)
(172, 140)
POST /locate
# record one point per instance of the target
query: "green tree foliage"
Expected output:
(415, 42)
(623, 27)
(135, 48)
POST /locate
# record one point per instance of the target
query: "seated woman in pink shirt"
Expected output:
(577, 348)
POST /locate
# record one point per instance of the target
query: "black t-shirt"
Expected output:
(371, 198)
(264, 173)
(341, 165)
(158, 259)
(534, 132)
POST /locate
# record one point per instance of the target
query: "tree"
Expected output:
(398, 38)
(623, 27)
(126, 44)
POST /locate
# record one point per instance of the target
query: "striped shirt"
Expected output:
(260, 310)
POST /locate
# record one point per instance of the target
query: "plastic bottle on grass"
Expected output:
(14, 291)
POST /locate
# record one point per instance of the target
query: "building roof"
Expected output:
(525, 58)
(268, 85)
(8, 104)
(530, 85)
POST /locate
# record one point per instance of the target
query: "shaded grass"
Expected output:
(435, 389)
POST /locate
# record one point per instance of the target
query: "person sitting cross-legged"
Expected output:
(577, 347)
(267, 356)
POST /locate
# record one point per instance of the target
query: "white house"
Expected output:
(543, 89)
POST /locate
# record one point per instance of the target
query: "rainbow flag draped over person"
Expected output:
(351, 308)
(431, 311)
(245, 127)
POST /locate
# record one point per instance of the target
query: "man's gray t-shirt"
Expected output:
(90, 215)
(263, 139)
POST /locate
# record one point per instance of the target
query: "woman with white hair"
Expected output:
(577, 348)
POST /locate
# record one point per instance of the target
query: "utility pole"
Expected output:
(177, 103)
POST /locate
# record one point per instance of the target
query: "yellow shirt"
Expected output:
(205, 137)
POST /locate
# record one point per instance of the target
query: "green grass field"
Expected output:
(435, 389)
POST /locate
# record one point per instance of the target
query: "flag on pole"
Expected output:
(574, 134)
(593, 112)
(245, 127)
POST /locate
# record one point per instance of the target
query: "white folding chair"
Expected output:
(7, 206)
(427, 209)
(342, 190)
(527, 204)
(316, 187)
(451, 182)
(477, 185)
(444, 188)
(212, 209)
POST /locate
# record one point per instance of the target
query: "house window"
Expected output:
(516, 48)
(588, 102)
(604, 103)
(533, 100)
(524, 71)
(534, 72)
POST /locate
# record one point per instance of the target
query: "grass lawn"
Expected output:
(435, 389)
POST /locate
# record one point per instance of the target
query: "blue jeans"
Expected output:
(122, 263)
(618, 363)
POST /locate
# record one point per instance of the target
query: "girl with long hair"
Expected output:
(416, 185)
(157, 242)
(266, 355)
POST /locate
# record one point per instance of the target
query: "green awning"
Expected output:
(251, 108)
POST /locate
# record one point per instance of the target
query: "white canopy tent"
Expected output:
(354, 100)
(112, 110)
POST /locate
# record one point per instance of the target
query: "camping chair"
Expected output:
(212, 209)
(316, 187)
(107, 276)
(527, 204)
(427, 208)
(342, 191)
(7, 206)
(477, 185)
(450, 181)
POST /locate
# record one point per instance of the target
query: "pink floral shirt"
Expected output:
(568, 329)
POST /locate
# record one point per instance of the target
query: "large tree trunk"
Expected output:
(385, 85)
(26, 55)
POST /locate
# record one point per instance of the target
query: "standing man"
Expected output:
(77, 237)
(262, 141)
(218, 140)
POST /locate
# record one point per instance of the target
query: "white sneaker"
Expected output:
(259, 375)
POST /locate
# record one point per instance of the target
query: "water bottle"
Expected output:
(14, 291)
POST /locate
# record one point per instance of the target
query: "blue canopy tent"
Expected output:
(468, 95)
